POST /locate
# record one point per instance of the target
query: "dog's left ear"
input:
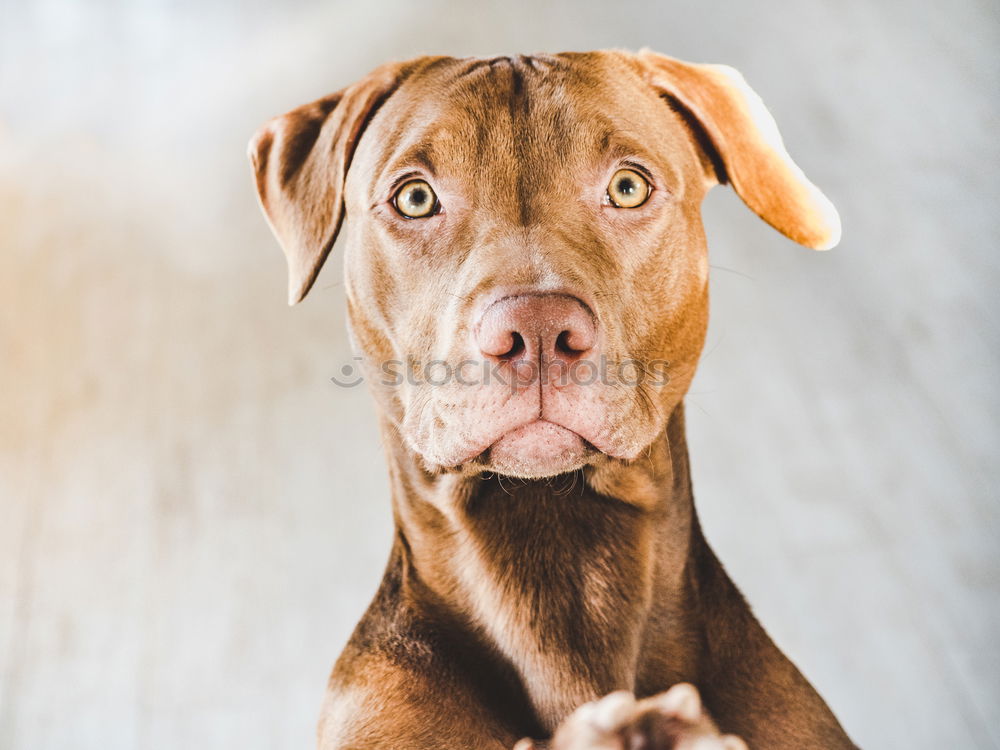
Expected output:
(300, 160)
(745, 146)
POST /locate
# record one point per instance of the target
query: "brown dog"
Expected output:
(530, 226)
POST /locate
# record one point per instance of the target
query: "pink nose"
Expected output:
(536, 327)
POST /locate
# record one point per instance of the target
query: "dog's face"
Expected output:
(525, 261)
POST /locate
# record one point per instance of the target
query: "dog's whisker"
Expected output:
(732, 271)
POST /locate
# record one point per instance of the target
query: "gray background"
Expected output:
(193, 516)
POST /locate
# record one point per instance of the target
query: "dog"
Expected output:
(523, 222)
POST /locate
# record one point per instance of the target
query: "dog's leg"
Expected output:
(674, 720)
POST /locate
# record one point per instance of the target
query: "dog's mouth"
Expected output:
(537, 449)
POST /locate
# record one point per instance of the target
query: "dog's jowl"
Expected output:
(525, 234)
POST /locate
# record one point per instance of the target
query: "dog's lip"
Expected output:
(481, 455)
(538, 422)
(538, 448)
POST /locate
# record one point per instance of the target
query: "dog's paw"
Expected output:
(673, 720)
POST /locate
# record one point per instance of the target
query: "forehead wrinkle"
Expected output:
(483, 124)
(415, 147)
(528, 115)
(519, 106)
(419, 155)
(617, 144)
(513, 123)
(617, 141)
(458, 113)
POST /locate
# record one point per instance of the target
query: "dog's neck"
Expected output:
(570, 579)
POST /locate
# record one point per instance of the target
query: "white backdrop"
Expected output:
(192, 516)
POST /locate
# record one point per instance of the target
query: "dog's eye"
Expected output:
(415, 200)
(628, 189)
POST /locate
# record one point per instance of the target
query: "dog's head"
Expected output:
(525, 262)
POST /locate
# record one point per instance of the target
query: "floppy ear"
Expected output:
(300, 160)
(745, 146)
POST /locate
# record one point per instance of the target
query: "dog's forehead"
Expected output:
(561, 109)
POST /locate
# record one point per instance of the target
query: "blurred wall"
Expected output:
(192, 516)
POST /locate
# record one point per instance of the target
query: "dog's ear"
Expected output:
(743, 143)
(300, 160)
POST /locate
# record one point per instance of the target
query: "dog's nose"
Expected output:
(536, 326)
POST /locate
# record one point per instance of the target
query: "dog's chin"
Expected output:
(537, 450)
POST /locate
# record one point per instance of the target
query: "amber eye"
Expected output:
(628, 189)
(415, 200)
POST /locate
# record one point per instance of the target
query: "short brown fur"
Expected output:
(508, 602)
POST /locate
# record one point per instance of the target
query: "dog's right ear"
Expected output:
(300, 160)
